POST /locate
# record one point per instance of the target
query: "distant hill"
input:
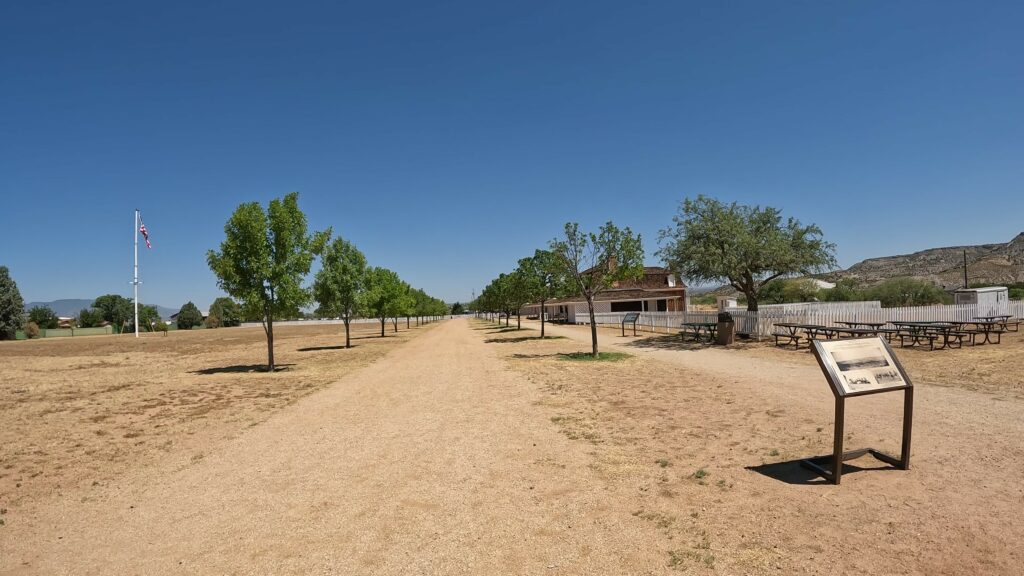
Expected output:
(995, 264)
(72, 306)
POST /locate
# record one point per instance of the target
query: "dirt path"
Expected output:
(433, 460)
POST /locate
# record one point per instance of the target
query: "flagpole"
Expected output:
(136, 280)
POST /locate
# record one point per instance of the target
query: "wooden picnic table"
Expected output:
(1004, 321)
(987, 329)
(696, 328)
(873, 325)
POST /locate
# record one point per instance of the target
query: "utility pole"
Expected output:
(135, 280)
(965, 270)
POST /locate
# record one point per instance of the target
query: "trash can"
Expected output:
(726, 329)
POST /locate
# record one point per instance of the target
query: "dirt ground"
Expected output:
(464, 448)
(78, 412)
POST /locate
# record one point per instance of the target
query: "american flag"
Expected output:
(145, 233)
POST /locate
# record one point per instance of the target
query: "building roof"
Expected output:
(623, 295)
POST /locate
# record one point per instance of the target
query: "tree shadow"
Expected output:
(521, 339)
(509, 329)
(531, 356)
(320, 348)
(791, 472)
(668, 342)
(242, 368)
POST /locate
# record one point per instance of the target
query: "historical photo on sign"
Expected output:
(862, 364)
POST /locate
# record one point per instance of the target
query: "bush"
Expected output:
(160, 326)
(227, 312)
(31, 330)
(212, 321)
(907, 292)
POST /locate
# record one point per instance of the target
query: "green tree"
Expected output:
(845, 291)
(595, 262)
(90, 318)
(340, 282)
(264, 258)
(43, 317)
(382, 296)
(907, 292)
(544, 278)
(189, 316)
(458, 309)
(225, 313)
(12, 307)
(747, 247)
(116, 309)
(148, 318)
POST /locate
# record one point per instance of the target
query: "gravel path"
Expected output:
(433, 460)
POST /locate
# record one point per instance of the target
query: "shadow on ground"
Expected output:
(320, 348)
(791, 472)
(521, 339)
(667, 342)
(242, 368)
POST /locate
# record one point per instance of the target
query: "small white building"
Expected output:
(991, 301)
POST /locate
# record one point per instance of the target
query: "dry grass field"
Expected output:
(78, 411)
(708, 442)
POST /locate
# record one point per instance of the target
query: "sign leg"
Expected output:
(837, 446)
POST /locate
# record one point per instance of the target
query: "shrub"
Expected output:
(43, 317)
(31, 330)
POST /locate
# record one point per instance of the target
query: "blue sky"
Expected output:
(449, 139)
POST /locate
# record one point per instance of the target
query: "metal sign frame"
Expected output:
(820, 464)
(631, 317)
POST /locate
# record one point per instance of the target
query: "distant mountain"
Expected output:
(994, 264)
(72, 306)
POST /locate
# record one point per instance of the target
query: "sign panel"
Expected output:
(861, 365)
(631, 317)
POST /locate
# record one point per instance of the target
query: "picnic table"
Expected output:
(872, 325)
(1004, 321)
(697, 328)
(789, 332)
(987, 329)
(918, 332)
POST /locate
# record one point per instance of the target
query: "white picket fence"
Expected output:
(762, 322)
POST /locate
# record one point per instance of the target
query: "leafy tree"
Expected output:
(845, 291)
(225, 312)
(263, 259)
(340, 282)
(115, 309)
(383, 295)
(747, 247)
(458, 309)
(148, 318)
(90, 317)
(907, 292)
(12, 307)
(43, 317)
(189, 316)
(596, 262)
(544, 279)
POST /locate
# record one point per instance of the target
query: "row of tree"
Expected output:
(748, 247)
(576, 264)
(267, 253)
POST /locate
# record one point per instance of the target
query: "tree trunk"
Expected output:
(593, 325)
(382, 324)
(395, 323)
(542, 319)
(751, 303)
(270, 343)
(407, 322)
(519, 322)
(348, 341)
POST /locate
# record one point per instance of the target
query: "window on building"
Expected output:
(662, 305)
(632, 306)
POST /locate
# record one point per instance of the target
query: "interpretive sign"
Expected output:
(630, 318)
(858, 367)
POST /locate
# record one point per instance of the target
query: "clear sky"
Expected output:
(449, 139)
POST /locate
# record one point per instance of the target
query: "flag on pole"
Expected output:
(145, 233)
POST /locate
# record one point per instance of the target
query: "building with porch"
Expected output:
(658, 291)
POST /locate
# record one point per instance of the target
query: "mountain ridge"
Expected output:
(66, 307)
